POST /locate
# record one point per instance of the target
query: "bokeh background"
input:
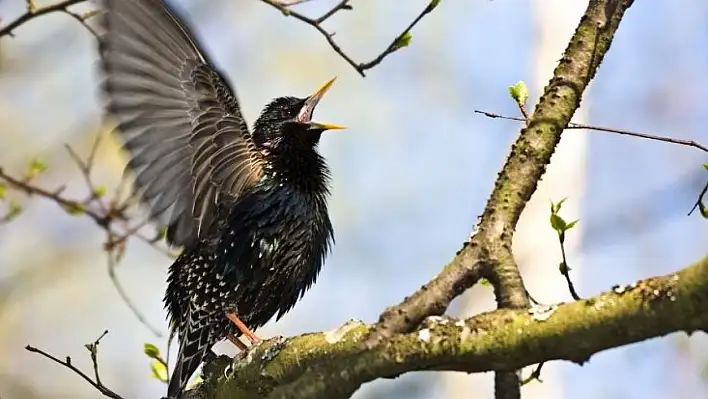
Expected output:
(411, 174)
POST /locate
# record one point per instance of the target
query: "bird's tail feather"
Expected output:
(195, 343)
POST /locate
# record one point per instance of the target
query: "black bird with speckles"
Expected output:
(249, 208)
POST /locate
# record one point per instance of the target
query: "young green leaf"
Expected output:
(556, 207)
(558, 223)
(519, 92)
(76, 209)
(35, 168)
(159, 371)
(99, 191)
(403, 41)
(152, 351)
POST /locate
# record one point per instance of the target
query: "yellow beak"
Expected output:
(320, 92)
(312, 102)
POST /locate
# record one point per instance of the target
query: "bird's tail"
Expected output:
(195, 343)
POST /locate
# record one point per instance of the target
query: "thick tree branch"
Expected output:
(532, 153)
(506, 339)
(488, 252)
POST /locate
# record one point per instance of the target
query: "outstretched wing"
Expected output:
(190, 149)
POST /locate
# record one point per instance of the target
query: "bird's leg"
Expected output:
(242, 327)
(234, 340)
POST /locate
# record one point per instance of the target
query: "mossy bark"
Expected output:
(502, 340)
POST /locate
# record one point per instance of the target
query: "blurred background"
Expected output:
(411, 174)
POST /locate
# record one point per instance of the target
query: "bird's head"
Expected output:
(288, 120)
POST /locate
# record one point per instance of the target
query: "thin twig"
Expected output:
(105, 217)
(130, 232)
(33, 12)
(93, 348)
(397, 42)
(316, 23)
(54, 196)
(82, 20)
(85, 169)
(535, 375)
(699, 203)
(572, 125)
(524, 112)
(532, 299)
(113, 260)
(288, 3)
(313, 22)
(565, 269)
(342, 5)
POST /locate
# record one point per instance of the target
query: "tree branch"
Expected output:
(623, 132)
(490, 244)
(488, 252)
(398, 42)
(505, 339)
(34, 12)
(572, 125)
(93, 350)
(105, 214)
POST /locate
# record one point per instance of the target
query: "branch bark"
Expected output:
(505, 339)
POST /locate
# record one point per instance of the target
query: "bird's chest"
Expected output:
(275, 239)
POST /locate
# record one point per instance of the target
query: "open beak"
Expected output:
(305, 115)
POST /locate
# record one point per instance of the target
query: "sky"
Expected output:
(411, 174)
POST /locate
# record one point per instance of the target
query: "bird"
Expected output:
(247, 207)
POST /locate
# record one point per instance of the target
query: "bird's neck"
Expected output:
(302, 169)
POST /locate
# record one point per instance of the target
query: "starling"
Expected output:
(249, 208)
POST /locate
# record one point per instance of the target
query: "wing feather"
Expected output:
(190, 150)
